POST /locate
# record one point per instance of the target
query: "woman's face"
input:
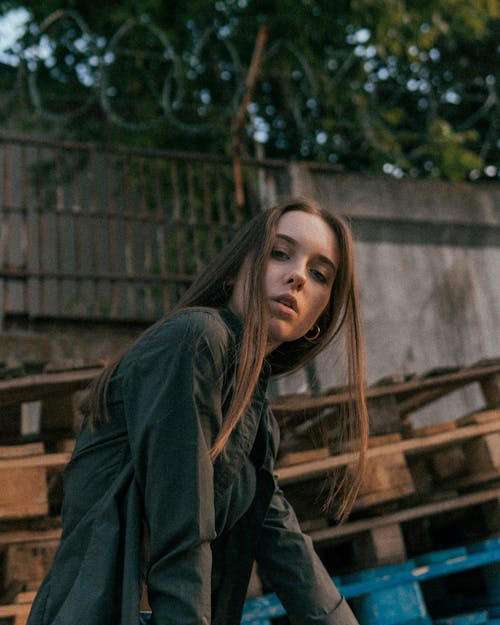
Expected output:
(298, 278)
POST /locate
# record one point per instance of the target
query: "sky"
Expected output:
(12, 27)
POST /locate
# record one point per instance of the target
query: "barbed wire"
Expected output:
(198, 89)
(101, 60)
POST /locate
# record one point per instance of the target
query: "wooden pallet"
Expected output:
(407, 482)
(414, 475)
(43, 405)
(409, 446)
(379, 537)
(401, 396)
(16, 613)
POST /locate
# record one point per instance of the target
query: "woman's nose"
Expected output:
(297, 279)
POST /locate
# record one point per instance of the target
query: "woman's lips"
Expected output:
(282, 309)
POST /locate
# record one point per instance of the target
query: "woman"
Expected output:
(171, 481)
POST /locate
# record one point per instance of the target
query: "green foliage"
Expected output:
(410, 88)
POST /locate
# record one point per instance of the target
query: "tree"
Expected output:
(407, 88)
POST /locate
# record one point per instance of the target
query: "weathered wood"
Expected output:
(384, 439)
(386, 478)
(297, 457)
(420, 399)
(491, 514)
(490, 387)
(435, 428)
(350, 528)
(308, 406)
(21, 451)
(317, 468)
(421, 471)
(23, 488)
(483, 454)
(491, 478)
(18, 611)
(28, 536)
(458, 465)
(27, 563)
(449, 463)
(60, 412)
(380, 545)
(480, 417)
(10, 419)
(44, 385)
(384, 414)
(25, 597)
(38, 461)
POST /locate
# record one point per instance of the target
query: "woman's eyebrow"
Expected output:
(321, 257)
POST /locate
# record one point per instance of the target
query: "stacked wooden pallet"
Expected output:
(425, 488)
(38, 421)
(421, 484)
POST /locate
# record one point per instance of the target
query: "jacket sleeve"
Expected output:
(288, 561)
(172, 394)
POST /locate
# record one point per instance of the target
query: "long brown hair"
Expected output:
(212, 289)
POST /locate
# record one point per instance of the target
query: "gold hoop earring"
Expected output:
(313, 334)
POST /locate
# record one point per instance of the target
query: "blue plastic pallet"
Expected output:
(473, 618)
(391, 595)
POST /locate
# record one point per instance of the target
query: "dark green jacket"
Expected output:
(145, 477)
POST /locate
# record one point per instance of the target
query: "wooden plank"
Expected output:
(28, 563)
(435, 428)
(316, 468)
(306, 455)
(475, 479)
(490, 387)
(448, 463)
(112, 221)
(420, 399)
(128, 234)
(45, 460)
(332, 534)
(386, 478)
(384, 414)
(18, 611)
(483, 454)
(380, 545)
(42, 385)
(21, 451)
(384, 439)
(23, 488)
(25, 597)
(6, 227)
(58, 413)
(15, 610)
(480, 417)
(27, 536)
(161, 233)
(402, 390)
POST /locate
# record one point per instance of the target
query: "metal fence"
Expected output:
(113, 233)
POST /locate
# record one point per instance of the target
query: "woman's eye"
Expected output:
(320, 276)
(279, 254)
